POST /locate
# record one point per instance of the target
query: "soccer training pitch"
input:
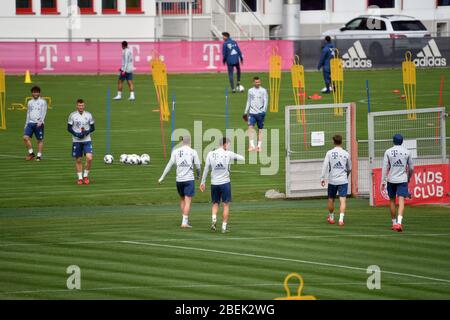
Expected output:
(123, 231)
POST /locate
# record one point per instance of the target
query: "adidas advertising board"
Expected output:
(356, 58)
(430, 56)
(356, 53)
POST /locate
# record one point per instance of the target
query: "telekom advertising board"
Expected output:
(105, 57)
(429, 184)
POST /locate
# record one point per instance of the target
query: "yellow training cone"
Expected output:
(27, 77)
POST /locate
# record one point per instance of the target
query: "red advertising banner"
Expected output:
(429, 184)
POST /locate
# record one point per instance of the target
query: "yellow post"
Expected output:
(298, 86)
(409, 84)
(2, 100)
(159, 75)
(337, 82)
(274, 79)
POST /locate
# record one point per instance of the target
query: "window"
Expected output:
(24, 7)
(49, 7)
(381, 3)
(307, 5)
(109, 6)
(354, 24)
(411, 25)
(373, 24)
(443, 2)
(251, 4)
(134, 6)
(86, 6)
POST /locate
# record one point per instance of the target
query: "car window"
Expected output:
(354, 24)
(375, 25)
(412, 25)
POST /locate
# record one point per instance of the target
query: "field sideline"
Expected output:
(123, 229)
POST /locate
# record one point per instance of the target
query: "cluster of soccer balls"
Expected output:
(129, 159)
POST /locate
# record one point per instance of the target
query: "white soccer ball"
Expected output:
(145, 159)
(134, 159)
(108, 159)
(129, 159)
(240, 88)
(123, 158)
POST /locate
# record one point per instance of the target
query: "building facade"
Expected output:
(153, 20)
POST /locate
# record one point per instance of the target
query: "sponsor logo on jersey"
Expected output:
(398, 163)
(356, 58)
(219, 166)
(338, 165)
(430, 56)
(184, 164)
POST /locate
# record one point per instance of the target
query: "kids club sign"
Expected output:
(429, 184)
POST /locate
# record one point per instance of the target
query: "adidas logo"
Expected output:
(355, 57)
(398, 163)
(338, 165)
(219, 166)
(184, 164)
(430, 56)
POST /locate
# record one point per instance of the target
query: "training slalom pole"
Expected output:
(368, 96)
(226, 108)
(108, 121)
(173, 121)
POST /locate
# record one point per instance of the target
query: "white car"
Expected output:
(380, 27)
(385, 34)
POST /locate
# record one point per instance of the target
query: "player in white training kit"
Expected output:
(126, 72)
(186, 159)
(81, 124)
(396, 173)
(220, 160)
(34, 123)
(336, 168)
(255, 112)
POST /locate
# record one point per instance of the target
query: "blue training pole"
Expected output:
(368, 96)
(226, 108)
(173, 120)
(108, 121)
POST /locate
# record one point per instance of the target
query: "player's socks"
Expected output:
(252, 146)
(132, 97)
(259, 146)
(185, 220)
(399, 219)
(119, 96)
(86, 173)
(30, 151)
(80, 175)
(224, 227)
(214, 218)
(330, 218)
(341, 219)
(39, 156)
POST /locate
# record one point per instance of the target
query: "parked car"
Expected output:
(407, 33)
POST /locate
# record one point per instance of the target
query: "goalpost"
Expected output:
(305, 152)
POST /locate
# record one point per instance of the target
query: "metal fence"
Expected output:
(308, 135)
(424, 136)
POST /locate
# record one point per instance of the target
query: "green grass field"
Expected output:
(123, 229)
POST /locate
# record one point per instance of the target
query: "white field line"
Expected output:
(237, 285)
(227, 238)
(323, 264)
